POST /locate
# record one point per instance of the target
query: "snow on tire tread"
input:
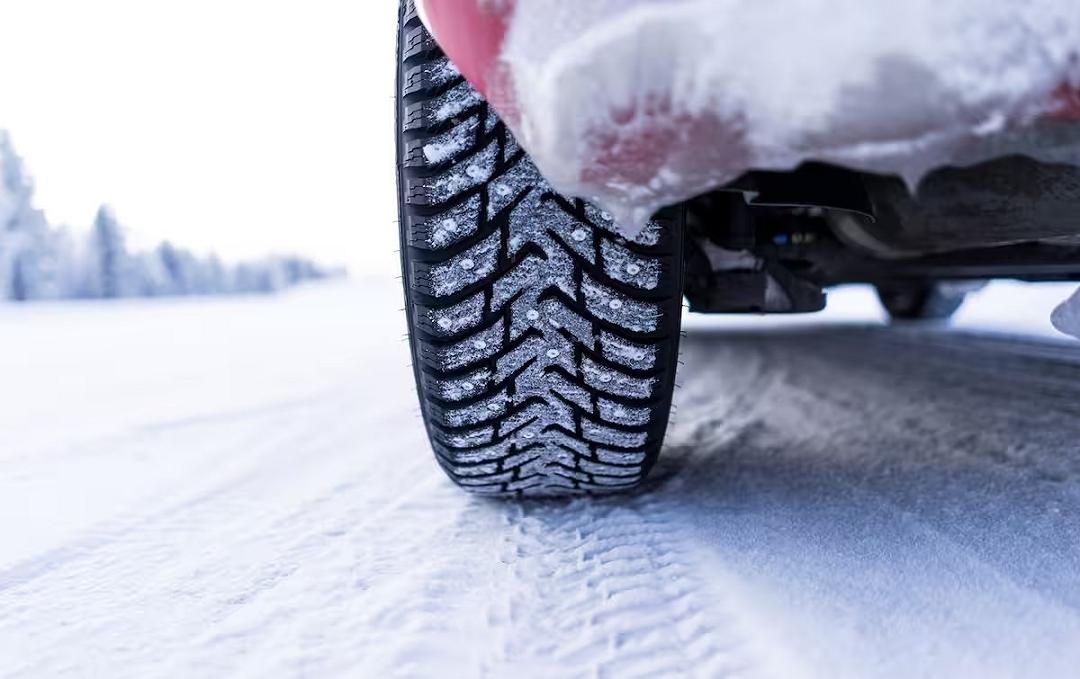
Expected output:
(544, 341)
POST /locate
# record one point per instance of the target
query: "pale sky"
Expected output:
(237, 126)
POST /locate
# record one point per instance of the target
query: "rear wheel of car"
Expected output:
(544, 344)
(932, 301)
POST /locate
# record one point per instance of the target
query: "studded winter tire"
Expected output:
(544, 344)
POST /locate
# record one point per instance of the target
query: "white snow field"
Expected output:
(241, 487)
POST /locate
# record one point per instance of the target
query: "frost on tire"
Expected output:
(544, 343)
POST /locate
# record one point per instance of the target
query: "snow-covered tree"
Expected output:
(110, 270)
(37, 267)
(38, 261)
(151, 277)
(182, 267)
(28, 248)
(213, 276)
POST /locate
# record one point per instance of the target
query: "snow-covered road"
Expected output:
(242, 488)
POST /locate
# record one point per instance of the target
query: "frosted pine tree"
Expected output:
(150, 275)
(110, 271)
(182, 268)
(9, 200)
(214, 276)
(29, 256)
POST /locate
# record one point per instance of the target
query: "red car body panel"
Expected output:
(471, 33)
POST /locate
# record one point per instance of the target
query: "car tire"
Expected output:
(544, 344)
(933, 301)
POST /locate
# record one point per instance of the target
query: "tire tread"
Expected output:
(544, 344)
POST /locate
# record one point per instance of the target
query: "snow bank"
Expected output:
(636, 104)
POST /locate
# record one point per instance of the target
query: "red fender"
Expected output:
(471, 32)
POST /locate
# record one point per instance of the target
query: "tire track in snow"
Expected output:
(622, 585)
(900, 502)
(614, 592)
(224, 471)
(833, 502)
(211, 553)
(324, 549)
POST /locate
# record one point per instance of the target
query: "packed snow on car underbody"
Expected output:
(209, 487)
(637, 104)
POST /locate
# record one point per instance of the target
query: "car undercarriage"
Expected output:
(773, 241)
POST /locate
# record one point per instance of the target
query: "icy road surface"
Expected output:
(242, 488)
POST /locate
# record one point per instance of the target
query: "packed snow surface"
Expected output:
(636, 104)
(241, 487)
